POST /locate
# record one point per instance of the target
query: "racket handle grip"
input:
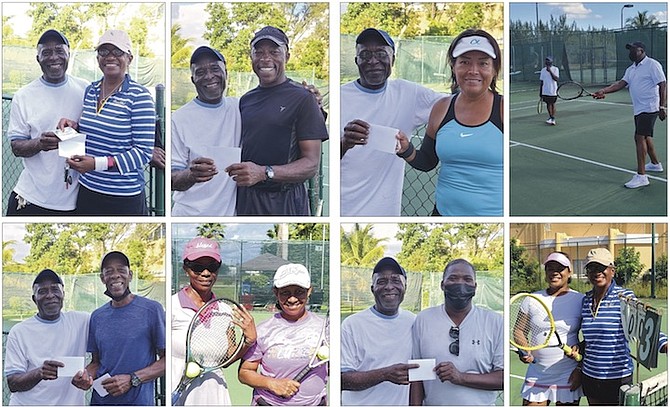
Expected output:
(301, 375)
(568, 350)
(175, 397)
(523, 353)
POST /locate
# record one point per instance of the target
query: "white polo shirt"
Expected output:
(549, 85)
(643, 79)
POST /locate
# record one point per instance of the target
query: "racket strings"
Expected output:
(531, 324)
(209, 346)
(570, 90)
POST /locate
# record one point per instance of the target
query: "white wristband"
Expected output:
(101, 163)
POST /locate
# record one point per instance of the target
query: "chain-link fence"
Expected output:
(422, 60)
(248, 267)
(588, 57)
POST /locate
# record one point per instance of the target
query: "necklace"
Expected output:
(104, 98)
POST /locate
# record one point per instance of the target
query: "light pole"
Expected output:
(623, 7)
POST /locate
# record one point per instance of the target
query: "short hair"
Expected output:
(471, 32)
(456, 262)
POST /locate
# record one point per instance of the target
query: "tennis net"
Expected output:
(650, 392)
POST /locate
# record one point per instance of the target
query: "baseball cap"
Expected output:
(600, 255)
(273, 34)
(114, 254)
(473, 43)
(559, 258)
(201, 247)
(117, 38)
(46, 275)
(205, 50)
(636, 44)
(549, 58)
(374, 33)
(389, 263)
(53, 34)
(292, 274)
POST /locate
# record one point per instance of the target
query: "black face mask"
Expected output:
(458, 296)
(124, 295)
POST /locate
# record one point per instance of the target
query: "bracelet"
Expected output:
(662, 107)
(101, 163)
(407, 152)
(110, 162)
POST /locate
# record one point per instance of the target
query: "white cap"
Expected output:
(474, 43)
(292, 274)
(559, 258)
(117, 38)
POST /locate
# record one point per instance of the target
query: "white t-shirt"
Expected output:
(35, 340)
(210, 389)
(196, 128)
(370, 341)
(481, 342)
(643, 80)
(371, 181)
(37, 108)
(547, 378)
(549, 85)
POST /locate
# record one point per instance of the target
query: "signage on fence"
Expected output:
(642, 325)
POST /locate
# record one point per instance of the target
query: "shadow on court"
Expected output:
(579, 166)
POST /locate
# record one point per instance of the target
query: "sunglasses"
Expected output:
(198, 268)
(103, 52)
(594, 268)
(454, 346)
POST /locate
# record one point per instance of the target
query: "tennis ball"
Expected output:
(323, 352)
(193, 370)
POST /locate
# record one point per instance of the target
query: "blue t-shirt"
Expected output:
(127, 339)
(470, 180)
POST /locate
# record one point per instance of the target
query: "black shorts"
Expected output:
(644, 124)
(30, 209)
(549, 99)
(94, 203)
(605, 390)
(291, 200)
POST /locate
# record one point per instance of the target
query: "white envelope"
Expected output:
(73, 146)
(97, 385)
(67, 133)
(382, 138)
(73, 364)
(424, 371)
(222, 156)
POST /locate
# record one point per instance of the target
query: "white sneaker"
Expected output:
(637, 181)
(549, 121)
(651, 167)
(553, 122)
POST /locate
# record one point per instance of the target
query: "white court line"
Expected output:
(611, 167)
(517, 377)
(533, 104)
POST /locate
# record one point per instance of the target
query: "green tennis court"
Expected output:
(517, 368)
(579, 166)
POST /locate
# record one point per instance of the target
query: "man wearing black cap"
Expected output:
(376, 343)
(209, 124)
(646, 83)
(36, 347)
(466, 342)
(374, 100)
(548, 88)
(42, 188)
(282, 132)
(125, 337)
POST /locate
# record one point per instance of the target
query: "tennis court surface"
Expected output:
(579, 166)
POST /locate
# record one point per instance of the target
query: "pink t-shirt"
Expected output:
(284, 349)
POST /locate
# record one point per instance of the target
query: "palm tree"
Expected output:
(8, 253)
(642, 20)
(359, 247)
(212, 230)
(181, 50)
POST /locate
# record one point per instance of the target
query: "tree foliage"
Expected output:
(180, 50)
(642, 20)
(524, 271)
(212, 230)
(79, 248)
(230, 28)
(359, 247)
(303, 231)
(398, 19)
(628, 265)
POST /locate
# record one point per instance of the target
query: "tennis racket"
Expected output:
(320, 355)
(213, 342)
(572, 90)
(540, 106)
(534, 325)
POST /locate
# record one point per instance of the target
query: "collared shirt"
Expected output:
(643, 79)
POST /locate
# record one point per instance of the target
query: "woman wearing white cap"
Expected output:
(202, 261)
(551, 376)
(284, 345)
(465, 132)
(119, 121)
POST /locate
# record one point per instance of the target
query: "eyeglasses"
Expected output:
(380, 55)
(103, 52)
(198, 268)
(454, 346)
(595, 268)
(554, 268)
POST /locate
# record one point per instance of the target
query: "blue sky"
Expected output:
(585, 14)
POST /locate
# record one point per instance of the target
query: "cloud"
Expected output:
(577, 11)
(192, 18)
(661, 16)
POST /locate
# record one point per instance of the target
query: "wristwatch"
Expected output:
(269, 172)
(134, 380)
